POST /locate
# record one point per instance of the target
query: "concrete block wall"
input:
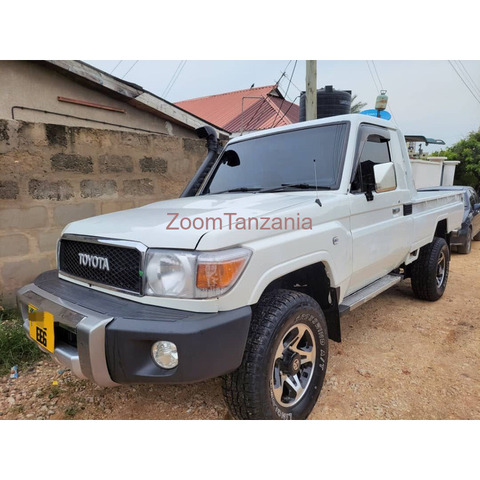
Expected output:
(51, 175)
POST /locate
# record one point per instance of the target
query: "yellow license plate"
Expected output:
(41, 328)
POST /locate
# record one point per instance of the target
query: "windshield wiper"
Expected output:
(282, 187)
(300, 186)
(238, 189)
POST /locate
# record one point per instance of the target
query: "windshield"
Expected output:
(290, 159)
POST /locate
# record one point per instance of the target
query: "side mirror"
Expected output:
(231, 158)
(385, 179)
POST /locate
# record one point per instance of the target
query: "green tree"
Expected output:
(356, 107)
(467, 152)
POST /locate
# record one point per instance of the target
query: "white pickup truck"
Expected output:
(247, 274)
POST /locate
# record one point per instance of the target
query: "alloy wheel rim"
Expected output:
(441, 268)
(293, 365)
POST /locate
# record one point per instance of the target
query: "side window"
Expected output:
(472, 199)
(375, 151)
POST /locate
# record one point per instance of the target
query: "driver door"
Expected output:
(379, 226)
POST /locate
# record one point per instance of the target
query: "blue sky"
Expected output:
(425, 97)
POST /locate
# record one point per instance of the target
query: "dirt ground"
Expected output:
(400, 358)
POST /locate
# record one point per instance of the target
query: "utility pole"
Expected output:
(311, 90)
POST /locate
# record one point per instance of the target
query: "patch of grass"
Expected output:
(54, 391)
(71, 411)
(15, 348)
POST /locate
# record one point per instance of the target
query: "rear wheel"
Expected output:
(430, 270)
(285, 360)
(467, 248)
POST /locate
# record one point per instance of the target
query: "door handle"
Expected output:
(396, 210)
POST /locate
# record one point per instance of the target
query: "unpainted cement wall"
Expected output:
(51, 175)
(36, 87)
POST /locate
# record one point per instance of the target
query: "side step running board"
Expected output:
(365, 294)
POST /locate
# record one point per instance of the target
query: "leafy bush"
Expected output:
(467, 151)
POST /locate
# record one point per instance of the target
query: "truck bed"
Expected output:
(429, 207)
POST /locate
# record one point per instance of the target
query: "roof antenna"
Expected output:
(317, 200)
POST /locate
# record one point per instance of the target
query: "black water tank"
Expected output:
(330, 102)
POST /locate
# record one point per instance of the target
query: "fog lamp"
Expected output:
(165, 354)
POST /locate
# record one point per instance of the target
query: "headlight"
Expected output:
(169, 273)
(175, 273)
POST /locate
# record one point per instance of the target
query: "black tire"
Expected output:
(260, 388)
(428, 279)
(467, 248)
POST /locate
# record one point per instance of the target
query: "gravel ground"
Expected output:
(400, 358)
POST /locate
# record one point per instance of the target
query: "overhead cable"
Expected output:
(128, 71)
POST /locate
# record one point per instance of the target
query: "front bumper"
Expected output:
(108, 339)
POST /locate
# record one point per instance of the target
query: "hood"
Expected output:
(181, 222)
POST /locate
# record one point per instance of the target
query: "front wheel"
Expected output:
(285, 360)
(430, 270)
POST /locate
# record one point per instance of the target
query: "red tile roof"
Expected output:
(263, 107)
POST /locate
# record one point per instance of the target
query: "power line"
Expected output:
(177, 76)
(378, 76)
(128, 71)
(283, 101)
(463, 81)
(283, 74)
(291, 80)
(373, 78)
(282, 91)
(284, 71)
(254, 115)
(381, 87)
(472, 82)
(116, 66)
(174, 78)
(298, 96)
